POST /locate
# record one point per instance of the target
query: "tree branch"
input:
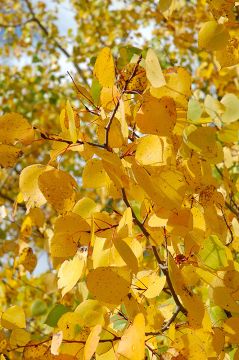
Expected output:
(56, 42)
(69, 142)
(118, 101)
(157, 257)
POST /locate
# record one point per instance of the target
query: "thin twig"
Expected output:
(56, 42)
(69, 142)
(157, 257)
(118, 101)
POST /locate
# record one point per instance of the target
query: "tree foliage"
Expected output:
(123, 176)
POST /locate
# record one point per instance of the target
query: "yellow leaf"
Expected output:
(109, 284)
(85, 207)
(13, 317)
(231, 329)
(153, 70)
(63, 245)
(72, 124)
(91, 312)
(94, 175)
(58, 187)
(104, 69)
(9, 155)
(180, 222)
(109, 97)
(70, 272)
(231, 113)
(131, 345)
(127, 254)
(164, 5)
(19, 338)
(178, 86)
(92, 342)
(28, 259)
(229, 56)
(72, 326)
(156, 116)
(223, 298)
(56, 342)
(14, 128)
(137, 83)
(213, 36)
(116, 139)
(166, 189)
(153, 150)
(28, 183)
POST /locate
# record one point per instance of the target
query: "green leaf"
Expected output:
(213, 253)
(38, 307)
(194, 110)
(55, 314)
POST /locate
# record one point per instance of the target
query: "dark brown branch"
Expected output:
(157, 257)
(80, 92)
(118, 101)
(69, 142)
(55, 42)
(228, 226)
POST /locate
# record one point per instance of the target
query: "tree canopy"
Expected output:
(119, 179)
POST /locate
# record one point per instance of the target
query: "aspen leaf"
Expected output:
(127, 255)
(28, 259)
(94, 174)
(231, 113)
(109, 284)
(213, 36)
(91, 312)
(166, 189)
(58, 187)
(85, 207)
(154, 284)
(28, 183)
(131, 345)
(178, 86)
(153, 150)
(156, 116)
(70, 323)
(194, 110)
(223, 298)
(9, 155)
(92, 342)
(56, 342)
(13, 317)
(153, 70)
(70, 272)
(137, 83)
(125, 226)
(19, 338)
(55, 314)
(203, 141)
(72, 124)
(36, 350)
(218, 339)
(164, 5)
(229, 56)
(109, 97)
(231, 328)
(63, 245)
(213, 253)
(104, 69)
(13, 128)
(116, 139)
